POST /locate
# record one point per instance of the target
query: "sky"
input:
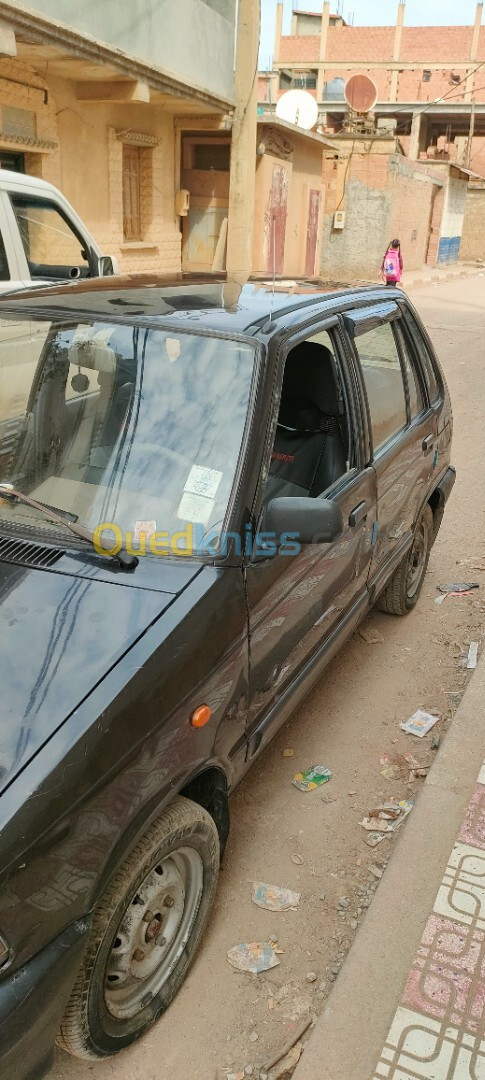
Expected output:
(368, 13)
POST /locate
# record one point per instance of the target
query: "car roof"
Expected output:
(200, 301)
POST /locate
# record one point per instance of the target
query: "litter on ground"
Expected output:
(397, 766)
(254, 957)
(459, 587)
(312, 778)
(419, 723)
(272, 898)
(386, 818)
(472, 655)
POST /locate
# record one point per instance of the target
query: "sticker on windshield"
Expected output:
(195, 508)
(147, 528)
(202, 481)
(172, 349)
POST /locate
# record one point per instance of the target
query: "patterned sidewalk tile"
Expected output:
(438, 1032)
(419, 1048)
(447, 980)
(461, 895)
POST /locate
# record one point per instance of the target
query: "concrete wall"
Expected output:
(452, 220)
(383, 197)
(192, 39)
(473, 236)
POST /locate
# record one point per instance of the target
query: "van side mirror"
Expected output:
(297, 521)
(105, 266)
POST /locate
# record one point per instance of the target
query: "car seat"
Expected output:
(309, 451)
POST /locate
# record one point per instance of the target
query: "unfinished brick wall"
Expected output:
(473, 235)
(422, 45)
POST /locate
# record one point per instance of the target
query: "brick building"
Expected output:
(412, 67)
(120, 107)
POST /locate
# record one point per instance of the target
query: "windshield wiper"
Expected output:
(127, 561)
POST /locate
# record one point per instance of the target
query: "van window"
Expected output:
(52, 247)
(4, 270)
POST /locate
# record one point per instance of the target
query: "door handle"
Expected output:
(427, 443)
(358, 514)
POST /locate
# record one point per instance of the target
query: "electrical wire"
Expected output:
(437, 101)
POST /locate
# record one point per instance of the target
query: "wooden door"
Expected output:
(314, 203)
(278, 209)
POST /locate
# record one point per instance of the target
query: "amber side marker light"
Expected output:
(201, 716)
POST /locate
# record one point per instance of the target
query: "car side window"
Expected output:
(416, 400)
(381, 368)
(427, 365)
(311, 449)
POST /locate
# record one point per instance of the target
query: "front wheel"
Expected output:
(401, 594)
(145, 933)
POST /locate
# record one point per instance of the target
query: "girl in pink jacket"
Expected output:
(392, 265)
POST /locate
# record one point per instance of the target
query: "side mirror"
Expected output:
(106, 266)
(297, 521)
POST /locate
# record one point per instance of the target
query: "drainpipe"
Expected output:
(243, 146)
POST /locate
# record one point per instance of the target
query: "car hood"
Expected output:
(60, 634)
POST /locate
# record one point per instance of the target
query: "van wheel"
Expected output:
(145, 933)
(402, 592)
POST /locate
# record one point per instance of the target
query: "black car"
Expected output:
(203, 489)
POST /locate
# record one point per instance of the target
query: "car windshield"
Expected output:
(123, 426)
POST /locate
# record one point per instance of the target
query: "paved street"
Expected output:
(350, 719)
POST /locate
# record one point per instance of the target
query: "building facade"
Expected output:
(430, 80)
(128, 109)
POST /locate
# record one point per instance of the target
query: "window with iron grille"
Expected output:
(131, 192)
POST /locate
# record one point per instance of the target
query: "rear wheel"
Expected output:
(401, 594)
(145, 933)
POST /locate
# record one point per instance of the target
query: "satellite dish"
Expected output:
(298, 107)
(360, 93)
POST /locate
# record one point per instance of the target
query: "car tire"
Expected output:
(145, 932)
(401, 594)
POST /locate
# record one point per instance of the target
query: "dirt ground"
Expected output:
(222, 1019)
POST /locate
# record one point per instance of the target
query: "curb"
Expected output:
(351, 1031)
(433, 279)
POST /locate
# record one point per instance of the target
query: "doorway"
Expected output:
(205, 175)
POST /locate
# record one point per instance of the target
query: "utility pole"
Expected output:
(468, 155)
(239, 257)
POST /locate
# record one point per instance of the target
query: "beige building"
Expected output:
(126, 108)
(289, 201)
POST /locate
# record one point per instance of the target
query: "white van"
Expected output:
(41, 237)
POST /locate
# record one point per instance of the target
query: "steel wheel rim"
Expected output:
(417, 561)
(153, 933)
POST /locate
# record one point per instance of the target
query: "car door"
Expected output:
(300, 605)
(402, 429)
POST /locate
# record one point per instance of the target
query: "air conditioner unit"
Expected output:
(339, 219)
